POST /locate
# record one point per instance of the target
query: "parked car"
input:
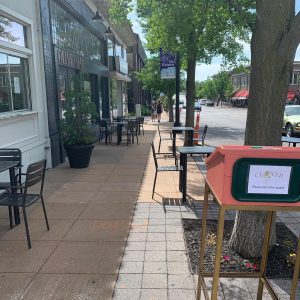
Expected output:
(197, 106)
(291, 120)
(202, 101)
(210, 102)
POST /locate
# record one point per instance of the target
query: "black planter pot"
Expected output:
(79, 155)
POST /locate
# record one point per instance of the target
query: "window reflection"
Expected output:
(12, 32)
(14, 83)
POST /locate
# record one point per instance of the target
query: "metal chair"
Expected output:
(141, 121)
(11, 154)
(169, 168)
(106, 131)
(201, 135)
(163, 138)
(131, 131)
(11, 197)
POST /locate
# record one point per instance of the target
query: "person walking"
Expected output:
(153, 111)
(159, 111)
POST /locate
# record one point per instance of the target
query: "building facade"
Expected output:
(23, 106)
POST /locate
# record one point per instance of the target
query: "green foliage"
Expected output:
(5, 24)
(146, 111)
(78, 110)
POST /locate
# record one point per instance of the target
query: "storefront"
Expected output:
(74, 47)
(23, 107)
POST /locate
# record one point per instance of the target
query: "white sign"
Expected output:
(265, 179)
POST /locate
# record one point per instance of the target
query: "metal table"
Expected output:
(184, 152)
(10, 165)
(290, 140)
(119, 124)
(176, 130)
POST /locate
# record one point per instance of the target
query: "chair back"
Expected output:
(154, 155)
(11, 154)
(132, 126)
(140, 120)
(158, 130)
(35, 174)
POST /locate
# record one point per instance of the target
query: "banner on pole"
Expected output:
(167, 65)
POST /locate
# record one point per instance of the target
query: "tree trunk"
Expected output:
(171, 112)
(190, 94)
(272, 55)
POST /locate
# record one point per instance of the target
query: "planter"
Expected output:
(79, 155)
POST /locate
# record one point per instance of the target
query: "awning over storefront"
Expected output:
(241, 94)
(291, 95)
(119, 76)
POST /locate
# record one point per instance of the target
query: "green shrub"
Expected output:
(146, 111)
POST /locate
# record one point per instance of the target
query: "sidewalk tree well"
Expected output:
(197, 29)
(275, 38)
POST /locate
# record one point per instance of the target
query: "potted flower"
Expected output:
(76, 130)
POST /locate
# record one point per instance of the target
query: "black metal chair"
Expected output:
(164, 138)
(141, 121)
(11, 197)
(106, 131)
(11, 154)
(201, 135)
(131, 131)
(169, 168)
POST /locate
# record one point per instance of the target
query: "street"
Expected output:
(225, 125)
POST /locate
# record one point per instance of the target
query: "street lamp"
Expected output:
(97, 17)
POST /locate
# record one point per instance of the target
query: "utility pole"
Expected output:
(177, 112)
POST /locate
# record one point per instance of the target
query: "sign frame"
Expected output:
(240, 180)
(167, 65)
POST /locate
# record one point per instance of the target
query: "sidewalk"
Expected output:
(108, 238)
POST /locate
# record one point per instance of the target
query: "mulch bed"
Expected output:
(280, 261)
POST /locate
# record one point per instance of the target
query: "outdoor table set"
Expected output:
(290, 140)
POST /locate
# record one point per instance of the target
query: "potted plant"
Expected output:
(76, 131)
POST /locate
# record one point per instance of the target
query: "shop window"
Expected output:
(294, 78)
(14, 69)
(14, 83)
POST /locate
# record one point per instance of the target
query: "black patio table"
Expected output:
(184, 152)
(290, 140)
(119, 124)
(176, 130)
(10, 165)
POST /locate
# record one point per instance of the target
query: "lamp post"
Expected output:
(177, 112)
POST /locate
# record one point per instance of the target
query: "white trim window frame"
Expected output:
(21, 53)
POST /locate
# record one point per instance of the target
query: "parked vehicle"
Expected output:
(291, 120)
(210, 102)
(197, 106)
(203, 101)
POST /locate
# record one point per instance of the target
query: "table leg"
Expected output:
(203, 238)
(294, 144)
(13, 182)
(296, 273)
(191, 134)
(184, 177)
(181, 158)
(265, 250)
(220, 232)
(119, 134)
(174, 143)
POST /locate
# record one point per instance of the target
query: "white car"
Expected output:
(203, 102)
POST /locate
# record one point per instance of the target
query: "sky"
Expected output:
(203, 71)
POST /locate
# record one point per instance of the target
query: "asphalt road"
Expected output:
(225, 125)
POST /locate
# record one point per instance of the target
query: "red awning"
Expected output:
(241, 94)
(291, 95)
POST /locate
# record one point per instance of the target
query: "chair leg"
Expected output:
(154, 184)
(159, 145)
(10, 217)
(26, 227)
(45, 214)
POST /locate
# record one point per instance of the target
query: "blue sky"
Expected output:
(202, 70)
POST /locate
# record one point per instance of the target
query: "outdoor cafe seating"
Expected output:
(19, 195)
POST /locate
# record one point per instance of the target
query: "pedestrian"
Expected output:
(159, 110)
(153, 111)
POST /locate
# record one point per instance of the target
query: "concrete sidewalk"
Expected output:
(90, 212)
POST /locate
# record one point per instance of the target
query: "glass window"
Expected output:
(70, 35)
(12, 31)
(14, 83)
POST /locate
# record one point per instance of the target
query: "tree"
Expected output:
(223, 85)
(197, 29)
(5, 24)
(275, 37)
(149, 76)
(209, 89)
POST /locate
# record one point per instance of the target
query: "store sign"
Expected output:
(68, 59)
(167, 65)
(265, 179)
